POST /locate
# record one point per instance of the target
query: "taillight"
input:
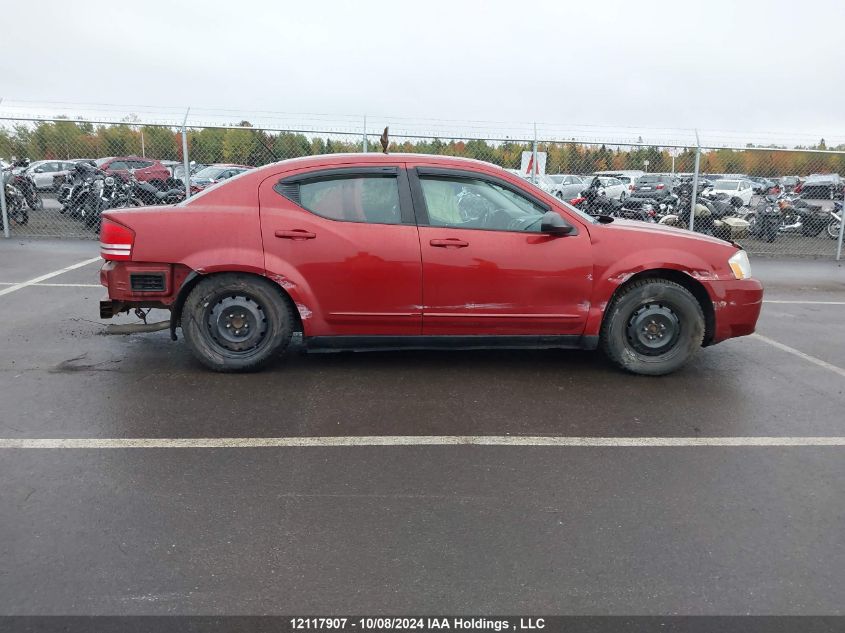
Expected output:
(576, 201)
(661, 186)
(115, 241)
(630, 187)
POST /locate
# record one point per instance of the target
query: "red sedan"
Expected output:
(369, 251)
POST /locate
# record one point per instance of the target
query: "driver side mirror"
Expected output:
(553, 224)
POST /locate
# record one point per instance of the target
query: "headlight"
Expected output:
(740, 265)
(109, 180)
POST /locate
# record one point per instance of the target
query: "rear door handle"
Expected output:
(449, 242)
(296, 234)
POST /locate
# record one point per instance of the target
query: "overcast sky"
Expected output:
(765, 67)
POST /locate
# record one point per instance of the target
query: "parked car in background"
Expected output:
(821, 186)
(45, 172)
(760, 185)
(144, 169)
(215, 173)
(613, 187)
(742, 189)
(436, 252)
(627, 176)
(569, 186)
(654, 186)
(789, 183)
(567, 179)
(193, 168)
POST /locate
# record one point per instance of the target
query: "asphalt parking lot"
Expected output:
(666, 518)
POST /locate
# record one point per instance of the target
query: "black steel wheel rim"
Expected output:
(653, 328)
(237, 323)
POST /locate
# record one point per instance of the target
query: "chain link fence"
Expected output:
(774, 201)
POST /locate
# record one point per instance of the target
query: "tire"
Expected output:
(833, 230)
(641, 316)
(253, 301)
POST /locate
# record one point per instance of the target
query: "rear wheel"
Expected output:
(653, 327)
(234, 322)
(833, 230)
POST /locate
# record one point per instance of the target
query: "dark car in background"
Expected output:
(654, 186)
(821, 186)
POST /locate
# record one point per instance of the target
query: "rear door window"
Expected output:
(371, 199)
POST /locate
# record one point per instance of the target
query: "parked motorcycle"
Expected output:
(85, 194)
(766, 219)
(716, 214)
(148, 194)
(835, 224)
(26, 185)
(16, 207)
(594, 201)
(797, 215)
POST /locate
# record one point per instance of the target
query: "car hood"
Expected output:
(663, 231)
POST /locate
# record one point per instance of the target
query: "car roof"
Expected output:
(254, 176)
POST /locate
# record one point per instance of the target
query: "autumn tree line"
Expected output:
(246, 145)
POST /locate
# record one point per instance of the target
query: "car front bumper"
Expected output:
(736, 305)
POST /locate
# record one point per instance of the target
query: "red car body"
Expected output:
(145, 169)
(352, 281)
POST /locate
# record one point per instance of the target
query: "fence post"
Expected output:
(534, 157)
(841, 230)
(695, 182)
(185, 155)
(365, 134)
(5, 212)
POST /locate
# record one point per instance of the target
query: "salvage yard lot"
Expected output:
(633, 529)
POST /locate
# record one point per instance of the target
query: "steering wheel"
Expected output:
(497, 219)
(523, 224)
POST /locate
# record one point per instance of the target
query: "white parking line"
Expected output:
(418, 440)
(14, 283)
(800, 354)
(821, 303)
(35, 280)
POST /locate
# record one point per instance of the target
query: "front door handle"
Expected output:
(449, 242)
(296, 234)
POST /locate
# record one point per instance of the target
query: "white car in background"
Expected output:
(613, 187)
(742, 189)
(542, 180)
(44, 172)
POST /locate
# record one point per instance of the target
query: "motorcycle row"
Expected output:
(88, 191)
(85, 193)
(718, 214)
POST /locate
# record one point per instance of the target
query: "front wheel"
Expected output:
(234, 322)
(652, 327)
(833, 230)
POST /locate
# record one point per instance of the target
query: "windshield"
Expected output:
(558, 180)
(210, 172)
(726, 185)
(101, 161)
